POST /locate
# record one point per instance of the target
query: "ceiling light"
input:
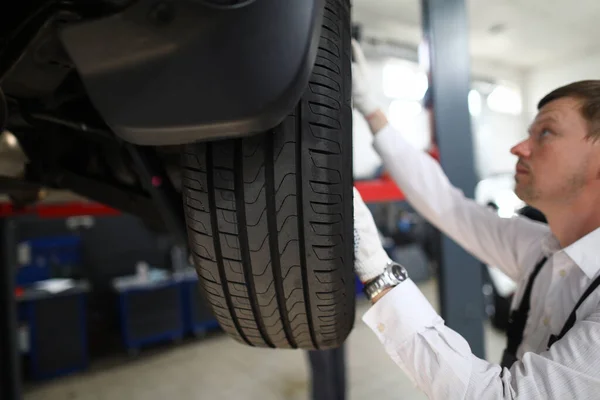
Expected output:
(474, 103)
(506, 100)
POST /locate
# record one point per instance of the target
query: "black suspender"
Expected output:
(518, 319)
(571, 321)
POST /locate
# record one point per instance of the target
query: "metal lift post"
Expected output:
(446, 44)
(10, 369)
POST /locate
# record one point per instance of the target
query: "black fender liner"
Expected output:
(177, 71)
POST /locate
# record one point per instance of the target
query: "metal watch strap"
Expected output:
(392, 275)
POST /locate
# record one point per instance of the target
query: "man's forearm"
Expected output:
(377, 121)
(380, 295)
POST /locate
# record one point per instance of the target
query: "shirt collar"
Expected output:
(584, 252)
(550, 245)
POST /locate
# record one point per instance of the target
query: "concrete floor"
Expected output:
(219, 368)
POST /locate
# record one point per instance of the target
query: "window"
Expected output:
(405, 84)
(505, 99)
(403, 80)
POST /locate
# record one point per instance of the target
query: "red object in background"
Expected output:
(58, 210)
(375, 190)
(384, 188)
(434, 152)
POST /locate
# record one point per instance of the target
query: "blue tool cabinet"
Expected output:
(53, 331)
(149, 312)
(197, 317)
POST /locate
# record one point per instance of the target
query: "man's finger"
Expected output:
(359, 56)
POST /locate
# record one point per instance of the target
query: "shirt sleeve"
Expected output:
(439, 361)
(502, 242)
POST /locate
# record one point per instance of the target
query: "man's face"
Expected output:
(557, 162)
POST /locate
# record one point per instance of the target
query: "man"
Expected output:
(551, 354)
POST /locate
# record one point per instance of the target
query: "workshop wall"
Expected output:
(542, 80)
(494, 133)
(111, 245)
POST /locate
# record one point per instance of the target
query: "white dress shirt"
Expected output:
(440, 361)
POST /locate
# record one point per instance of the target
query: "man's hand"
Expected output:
(364, 101)
(370, 255)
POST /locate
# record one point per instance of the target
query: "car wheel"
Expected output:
(269, 216)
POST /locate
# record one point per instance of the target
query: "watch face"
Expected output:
(398, 272)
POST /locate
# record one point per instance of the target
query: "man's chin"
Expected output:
(525, 194)
(521, 191)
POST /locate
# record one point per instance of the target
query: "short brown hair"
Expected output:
(588, 92)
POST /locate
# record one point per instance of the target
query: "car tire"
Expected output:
(270, 218)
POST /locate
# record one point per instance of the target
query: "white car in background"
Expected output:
(497, 192)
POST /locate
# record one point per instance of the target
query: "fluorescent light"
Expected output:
(506, 100)
(401, 81)
(474, 103)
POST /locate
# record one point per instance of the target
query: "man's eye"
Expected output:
(545, 133)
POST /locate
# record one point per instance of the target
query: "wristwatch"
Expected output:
(392, 275)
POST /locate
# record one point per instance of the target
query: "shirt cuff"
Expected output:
(401, 313)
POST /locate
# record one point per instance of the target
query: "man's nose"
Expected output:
(522, 149)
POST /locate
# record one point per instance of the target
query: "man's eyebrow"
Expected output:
(541, 120)
(546, 118)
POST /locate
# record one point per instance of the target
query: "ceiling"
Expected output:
(521, 33)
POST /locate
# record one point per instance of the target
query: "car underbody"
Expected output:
(62, 141)
(224, 123)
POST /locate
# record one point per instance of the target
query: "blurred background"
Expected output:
(117, 338)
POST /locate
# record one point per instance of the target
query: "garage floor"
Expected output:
(219, 368)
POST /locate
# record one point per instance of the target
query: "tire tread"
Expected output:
(265, 213)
